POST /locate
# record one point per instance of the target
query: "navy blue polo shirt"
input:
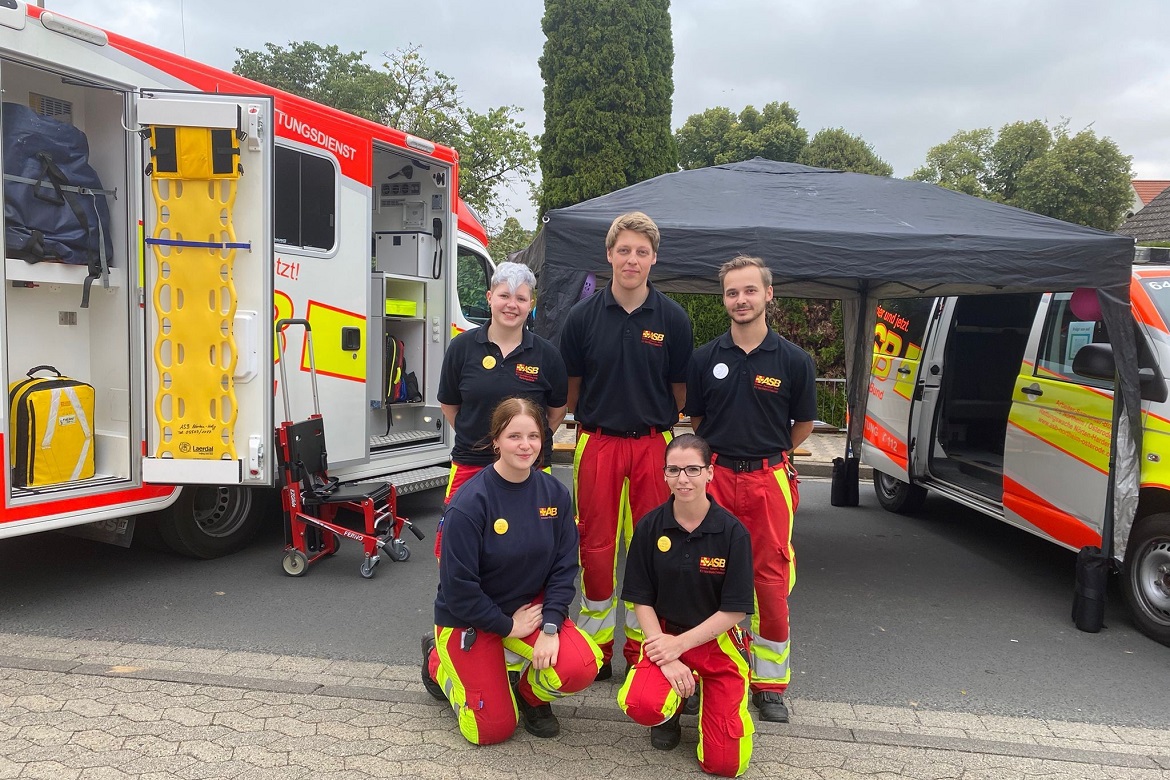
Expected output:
(687, 576)
(748, 401)
(504, 544)
(477, 376)
(627, 361)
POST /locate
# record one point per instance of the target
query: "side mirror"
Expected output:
(1095, 361)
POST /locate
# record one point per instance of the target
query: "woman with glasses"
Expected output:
(689, 577)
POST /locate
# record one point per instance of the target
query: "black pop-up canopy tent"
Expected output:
(859, 238)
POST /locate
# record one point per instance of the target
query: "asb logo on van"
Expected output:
(768, 384)
(652, 338)
(527, 373)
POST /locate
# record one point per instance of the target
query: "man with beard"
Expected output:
(752, 395)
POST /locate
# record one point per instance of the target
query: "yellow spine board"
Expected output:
(195, 303)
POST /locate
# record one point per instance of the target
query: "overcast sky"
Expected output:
(903, 74)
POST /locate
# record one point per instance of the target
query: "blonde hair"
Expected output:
(746, 261)
(638, 223)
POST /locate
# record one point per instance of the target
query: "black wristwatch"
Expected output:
(551, 629)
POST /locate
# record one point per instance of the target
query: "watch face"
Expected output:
(550, 628)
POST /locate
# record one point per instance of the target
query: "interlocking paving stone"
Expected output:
(161, 712)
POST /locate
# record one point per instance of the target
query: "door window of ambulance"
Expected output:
(901, 324)
(1065, 334)
(472, 284)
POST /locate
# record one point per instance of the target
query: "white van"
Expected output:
(989, 400)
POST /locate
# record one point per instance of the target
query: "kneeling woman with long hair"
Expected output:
(507, 575)
(689, 576)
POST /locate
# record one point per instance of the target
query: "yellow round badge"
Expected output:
(500, 526)
(663, 543)
(489, 362)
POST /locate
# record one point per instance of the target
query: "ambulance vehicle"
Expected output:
(230, 206)
(994, 401)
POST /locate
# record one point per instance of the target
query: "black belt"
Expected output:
(634, 433)
(674, 628)
(742, 465)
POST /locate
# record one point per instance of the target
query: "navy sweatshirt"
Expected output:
(503, 545)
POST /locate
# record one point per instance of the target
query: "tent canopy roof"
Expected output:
(834, 234)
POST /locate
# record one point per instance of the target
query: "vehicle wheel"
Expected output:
(1146, 576)
(369, 568)
(897, 496)
(335, 539)
(397, 550)
(210, 521)
(294, 563)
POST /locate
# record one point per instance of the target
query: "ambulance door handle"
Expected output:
(904, 370)
(1032, 390)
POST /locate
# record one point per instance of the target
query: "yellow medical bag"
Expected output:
(52, 429)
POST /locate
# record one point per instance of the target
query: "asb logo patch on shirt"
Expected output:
(710, 565)
(527, 373)
(767, 383)
(652, 338)
(548, 511)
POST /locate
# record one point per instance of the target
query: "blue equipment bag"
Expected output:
(54, 204)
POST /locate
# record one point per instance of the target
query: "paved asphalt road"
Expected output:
(946, 610)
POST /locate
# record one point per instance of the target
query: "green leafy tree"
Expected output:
(959, 164)
(717, 136)
(512, 237)
(1078, 178)
(324, 74)
(607, 97)
(834, 147)
(1082, 179)
(495, 150)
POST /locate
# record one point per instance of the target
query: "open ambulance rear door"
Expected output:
(207, 287)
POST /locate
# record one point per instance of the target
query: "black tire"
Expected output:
(897, 496)
(397, 551)
(209, 521)
(1146, 576)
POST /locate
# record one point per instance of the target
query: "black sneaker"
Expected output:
(771, 706)
(538, 719)
(691, 704)
(433, 688)
(605, 672)
(667, 735)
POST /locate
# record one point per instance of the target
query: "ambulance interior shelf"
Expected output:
(25, 274)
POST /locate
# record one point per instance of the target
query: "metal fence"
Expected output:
(831, 401)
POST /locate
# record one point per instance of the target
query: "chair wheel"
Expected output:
(397, 550)
(294, 563)
(336, 543)
(369, 567)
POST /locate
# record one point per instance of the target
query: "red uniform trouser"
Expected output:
(460, 473)
(765, 501)
(615, 482)
(476, 680)
(725, 727)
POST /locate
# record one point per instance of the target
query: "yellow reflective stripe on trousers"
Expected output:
(781, 476)
(729, 648)
(450, 482)
(453, 687)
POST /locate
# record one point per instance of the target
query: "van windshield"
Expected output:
(1158, 288)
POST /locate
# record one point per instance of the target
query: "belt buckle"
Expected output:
(632, 434)
(741, 466)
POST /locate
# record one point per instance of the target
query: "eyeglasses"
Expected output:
(690, 471)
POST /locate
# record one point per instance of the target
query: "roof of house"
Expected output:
(1148, 189)
(1151, 223)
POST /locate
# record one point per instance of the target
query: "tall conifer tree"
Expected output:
(607, 68)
